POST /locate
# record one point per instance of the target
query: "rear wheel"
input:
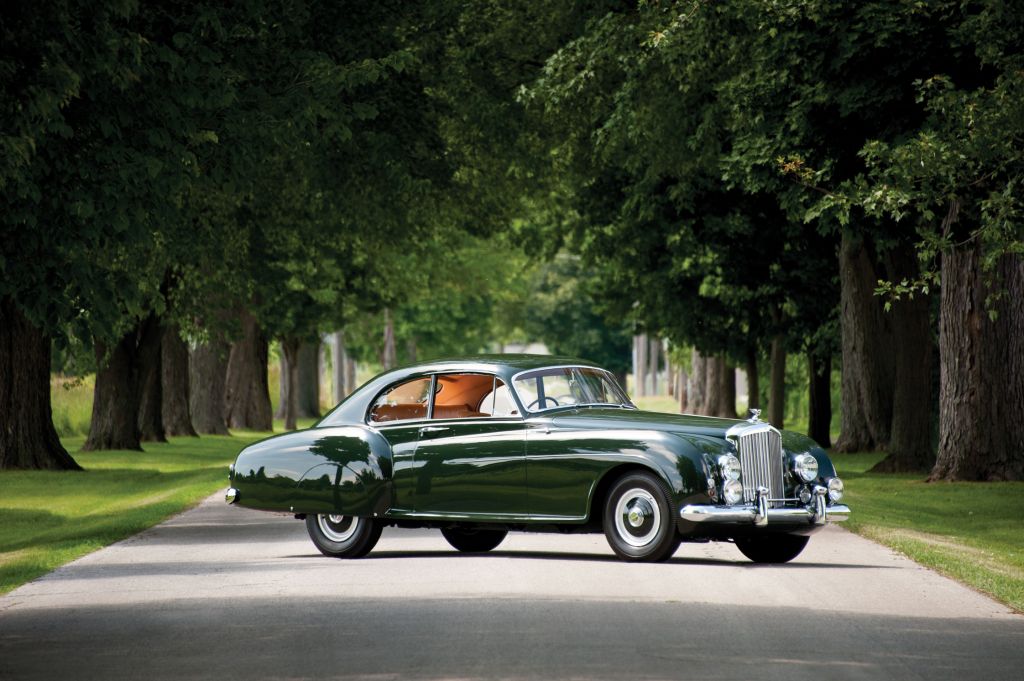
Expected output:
(473, 541)
(772, 548)
(343, 536)
(638, 519)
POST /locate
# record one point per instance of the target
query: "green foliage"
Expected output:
(678, 203)
(564, 313)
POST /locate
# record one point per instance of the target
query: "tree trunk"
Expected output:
(28, 439)
(246, 394)
(819, 420)
(681, 384)
(307, 386)
(910, 441)
(175, 382)
(654, 363)
(777, 388)
(753, 381)
(282, 387)
(670, 376)
(640, 365)
(208, 369)
(289, 380)
(411, 351)
(339, 358)
(350, 373)
(150, 376)
(727, 407)
(867, 383)
(115, 402)
(981, 398)
(698, 383)
(712, 386)
(388, 357)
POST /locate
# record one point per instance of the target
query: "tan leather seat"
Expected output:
(455, 411)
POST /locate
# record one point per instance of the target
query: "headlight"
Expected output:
(729, 465)
(805, 466)
(732, 490)
(835, 489)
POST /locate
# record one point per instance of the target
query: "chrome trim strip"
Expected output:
(486, 517)
(740, 515)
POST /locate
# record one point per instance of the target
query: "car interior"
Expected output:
(456, 396)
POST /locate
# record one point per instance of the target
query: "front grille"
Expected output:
(760, 453)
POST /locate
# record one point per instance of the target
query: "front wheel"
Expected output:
(638, 519)
(772, 548)
(473, 541)
(343, 536)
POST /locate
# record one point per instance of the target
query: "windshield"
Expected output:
(568, 386)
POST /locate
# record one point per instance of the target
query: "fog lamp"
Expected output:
(729, 465)
(732, 491)
(805, 466)
(835, 489)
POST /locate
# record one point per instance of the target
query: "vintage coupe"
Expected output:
(479, 446)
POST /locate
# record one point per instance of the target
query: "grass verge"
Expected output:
(970, 531)
(48, 518)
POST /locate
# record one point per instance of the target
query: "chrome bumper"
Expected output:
(818, 512)
(231, 496)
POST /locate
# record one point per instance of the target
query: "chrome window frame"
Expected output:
(629, 403)
(432, 375)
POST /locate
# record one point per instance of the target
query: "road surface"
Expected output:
(226, 593)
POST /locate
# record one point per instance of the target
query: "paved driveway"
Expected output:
(226, 593)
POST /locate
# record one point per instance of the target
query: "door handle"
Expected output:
(433, 429)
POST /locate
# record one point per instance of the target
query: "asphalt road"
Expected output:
(225, 593)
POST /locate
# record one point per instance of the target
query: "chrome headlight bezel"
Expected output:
(805, 466)
(729, 467)
(835, 489)
(732, 492)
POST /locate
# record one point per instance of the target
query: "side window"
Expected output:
(471, 396)
(403, 402)
(499, 402)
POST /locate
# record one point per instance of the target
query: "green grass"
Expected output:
(970, 531)
(48, 519)
(71, 400)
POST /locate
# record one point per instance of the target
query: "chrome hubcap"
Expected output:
(637, 517)
(337, 528)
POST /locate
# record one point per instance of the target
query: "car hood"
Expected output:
(596, 417)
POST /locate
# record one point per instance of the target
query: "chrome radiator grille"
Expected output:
(760, 454)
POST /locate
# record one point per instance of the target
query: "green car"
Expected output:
(479, 446)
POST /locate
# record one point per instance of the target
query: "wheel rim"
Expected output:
(338, 528)
(637, 517)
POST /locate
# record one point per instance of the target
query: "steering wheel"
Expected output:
(546, 399)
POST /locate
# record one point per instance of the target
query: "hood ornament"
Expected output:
(754, 415)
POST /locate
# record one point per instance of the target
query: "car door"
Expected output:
(470, 459)
(398, 413)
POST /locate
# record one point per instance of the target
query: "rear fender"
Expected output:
(345, 470)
